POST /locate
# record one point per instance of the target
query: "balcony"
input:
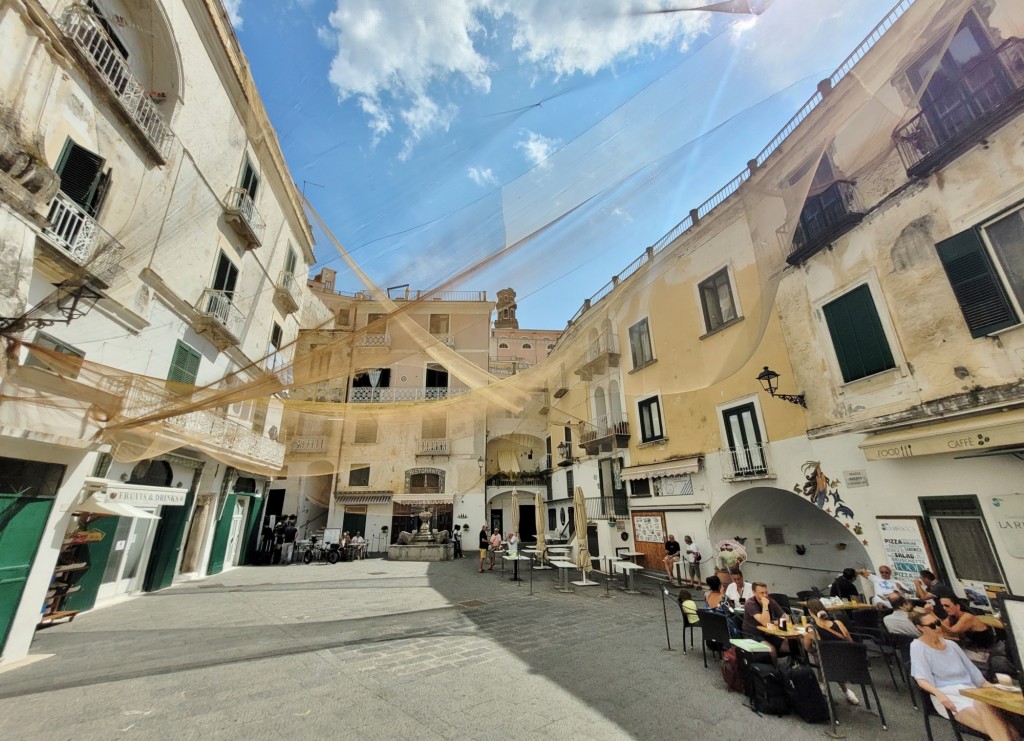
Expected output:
(533, 478)
(81, 241)
(307, 444)
(219, 319)
(560, 385)
(242, 214)
(369, 395)
(433, 446)
(287, 293)
(373, 339)
(965, 111)
(601, 354)
(604, 436)
(606, 507)
(825, 217)
(444, 337)
(743, 463)
(101, 59)
(206, 429)
(505, 368)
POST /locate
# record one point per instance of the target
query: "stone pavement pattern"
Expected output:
(385, 650)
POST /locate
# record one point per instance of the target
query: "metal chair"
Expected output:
(782, 600)
(687, 625)
(879, 642)
(846, 661)
(928, 712)
(713, 627)
(806, 594)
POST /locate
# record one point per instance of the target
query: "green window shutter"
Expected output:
(184, 364)
(857, 335)
(978, 290)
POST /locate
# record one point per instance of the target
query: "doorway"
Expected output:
(130, 549)
(962, 543)
(234, 544)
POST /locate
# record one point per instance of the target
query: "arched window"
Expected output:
(503, 346)
(527, 346)
(551, 347)
(151, 473)
(425, 483)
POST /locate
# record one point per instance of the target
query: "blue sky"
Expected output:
(551, 141)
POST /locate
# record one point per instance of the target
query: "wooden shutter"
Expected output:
(978, 290)
(184, 364)
(857, 335)
(80, 173)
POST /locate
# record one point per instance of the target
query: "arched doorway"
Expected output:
(774, 522)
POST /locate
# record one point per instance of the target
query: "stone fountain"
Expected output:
(424, 544)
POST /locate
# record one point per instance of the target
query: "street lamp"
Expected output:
(565, 450)
(71, 301)
(770, 382)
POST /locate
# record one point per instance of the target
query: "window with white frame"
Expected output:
(649, 411)
(640, 344)
(717, 301)
(746, 451)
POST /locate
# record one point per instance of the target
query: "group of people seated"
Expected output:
(950, 642)
(352, 547)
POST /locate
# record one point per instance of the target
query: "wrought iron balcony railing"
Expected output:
(753, 462)
(218, 313)
(373, 339)
(308, 444)
(604, 435)
(511, 367)
(954, 117)
(82, 238)
(241, 211)
(91, 41)
(433, 446)
(824, 218)
(601, 353)
(288, 291)
(367, 394)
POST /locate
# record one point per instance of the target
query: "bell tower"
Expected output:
(506, 308)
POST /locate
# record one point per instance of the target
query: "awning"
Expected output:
(97, 506)
(967, 435)
(508, 462)
(423, 499)
(363, 497)
(677, 467)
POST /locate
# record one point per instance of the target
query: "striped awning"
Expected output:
(508, 462)
(362, 497)
(676, 467)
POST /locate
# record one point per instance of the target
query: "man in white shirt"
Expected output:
(739, 591)
(693, 558)
(884, 585)
(359, 546)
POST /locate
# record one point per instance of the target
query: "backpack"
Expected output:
(805, 695)
(767, 690)
(731, 670)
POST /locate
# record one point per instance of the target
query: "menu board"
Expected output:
(648, 529)
(906, 549)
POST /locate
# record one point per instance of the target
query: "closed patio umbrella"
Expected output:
(582, 552)
(538, 510)
(515, 510)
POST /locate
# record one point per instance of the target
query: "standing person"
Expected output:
(844, 586)
(495, 546)
(457, 540)
(288, 546)
(827, 629)
(485, 543)
(266, 543)
(671, 558)
(693, 558)
(942, 670)
(512, 544)
(278, 542)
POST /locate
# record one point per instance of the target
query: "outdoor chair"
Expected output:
(782, 600)
(713, 627)
(928, 712)
(806, 594)
(879, 642)
(846, 661)
(687, 625)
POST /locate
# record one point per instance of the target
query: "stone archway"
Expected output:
(776, 521)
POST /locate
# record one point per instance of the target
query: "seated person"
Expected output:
(715, 594)
(976, 638)
(688, 606)
(932, 590)
(898, 622)
(845, 586)
(758, 612)
(738, 592)
(942, 670)
(884, 585)
(359, 545)
(671, 558)
(827, 629)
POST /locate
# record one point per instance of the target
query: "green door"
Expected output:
(22, 520)
(354, 523)
(96, 555)
(221, 534)
(166, 546)
(252, 528)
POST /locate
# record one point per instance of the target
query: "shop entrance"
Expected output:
(129, 547)
(963, 544)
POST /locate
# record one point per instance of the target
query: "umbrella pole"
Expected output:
(668, 638)
(607, 574)
(531, 578)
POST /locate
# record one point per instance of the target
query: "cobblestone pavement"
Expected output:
(384, 650)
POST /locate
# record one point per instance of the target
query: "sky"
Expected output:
(537, 144)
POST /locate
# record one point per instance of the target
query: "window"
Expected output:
(987, 275)
(640, 487)
(225, 277)
(434, 426)
(527, 346)
(366, 430)
(650, 420)
(376, 317)
(359, 475)
(640, 344)
(250, 181)
(551, 347)
(668, 486)
(82, 178)
(439, 325)
(276, 337)
(344, 317)
(857, 335)
(290, 261)
(184, 364)
(716, 300)
(570, 484)
(425, 483)
(503, 346)
(436, 376)
(743, 435)
(37, 360)
(552, 519)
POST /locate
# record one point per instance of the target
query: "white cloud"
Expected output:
(234, 8)
(396, 53)
(482, 176)
(537, 148)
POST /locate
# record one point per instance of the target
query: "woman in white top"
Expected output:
(942, 669)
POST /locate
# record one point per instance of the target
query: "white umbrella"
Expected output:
(538, 510)
(582, 553)
(515, 510)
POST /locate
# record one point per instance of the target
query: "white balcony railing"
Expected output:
(511, 367)
(433, 446)
(373, 339)
(448, 339)
(81, 237)
(203, 427)
(753, 462)
(289, 286)
(366, 394)
(217, 306)
(308, 444)
(241, 205)
(92, 41)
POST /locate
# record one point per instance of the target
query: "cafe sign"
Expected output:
(965, 436)
(146, 496)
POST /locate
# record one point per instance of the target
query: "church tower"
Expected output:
(506, 308)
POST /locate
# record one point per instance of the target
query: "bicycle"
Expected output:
(318, 551)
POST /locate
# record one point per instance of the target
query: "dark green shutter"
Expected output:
(80, 174)
(184, 364)
(977, 287)
(857, 335)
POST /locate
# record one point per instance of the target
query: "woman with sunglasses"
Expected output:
(942, 669)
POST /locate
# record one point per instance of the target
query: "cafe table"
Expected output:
(1009, 700)
(991, 621)
(844, 605)
(792, 633)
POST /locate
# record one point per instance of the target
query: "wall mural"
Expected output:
(823, 493)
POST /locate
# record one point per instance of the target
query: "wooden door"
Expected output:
(649, 538)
